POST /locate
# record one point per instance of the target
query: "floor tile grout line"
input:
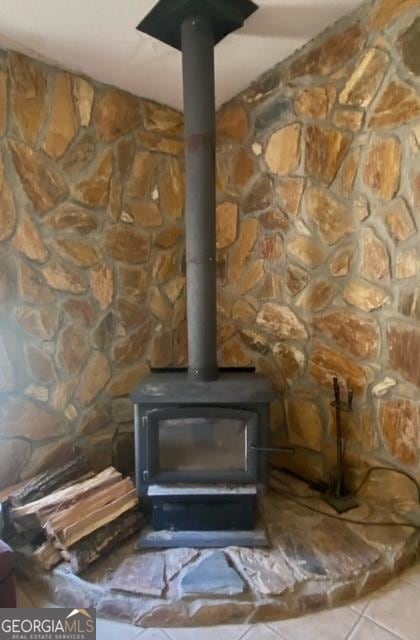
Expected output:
(284, 620)
(382, 626)
(348, 636)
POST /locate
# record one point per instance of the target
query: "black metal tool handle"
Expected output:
(274, 449)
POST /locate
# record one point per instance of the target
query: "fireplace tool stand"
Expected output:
(339, 497)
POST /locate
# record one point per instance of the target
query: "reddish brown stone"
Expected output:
(260, 196)
(400, 420)
(94, 378)
(403, 345)
(130, 349)
(80, 154)
(81, 311)
(315, 102)
(399, 220)
(325, 363)
(375, 257)
(94, 190)
(307, 250)
(32, 286)
(243, 168)
(169, 236)
(63, 123)
(336, 51)
(251, 277)
(242, 249)
(127, 245)
(364, 82)
(83, 96)
(60, 277)
(115, 198)
(399, 104)
(146, 213)
(3, 101)
(131, 314)
(281, 322)
(245, 310)
(290, 191)
(325, 150)
(382, 168)
(331, 218)
(155, 142)
(364, 295)
(172, 189)
(349, 172)
(386, 11)
(71, 217)
(44, 186)
(81, 253)
(29, 87)
(271, 247)
(144, 176)
(162, 119)
(278, 161)
(22, 418)
(161, 353)
(317, 296)
(233, 354)
(226, 224)
(40, 365)
(304, 423)
(47, 457)
(104, 335)
(165, 266)
(93, 420)
(116, 113)
(28, 240)
(174, 288)
(134, 282)
(7, 212)
(72, 349)
(41, 323)
(272, 220)
(354, 333)
(102, 285)
(296, 279)
(232, 124)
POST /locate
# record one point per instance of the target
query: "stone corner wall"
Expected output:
(91, 199)
(318, 219)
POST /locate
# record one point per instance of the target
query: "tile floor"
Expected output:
(390, 614)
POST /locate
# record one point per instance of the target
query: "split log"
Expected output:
(49, 481)
(101, 541)
(96, 519)
(47, 556)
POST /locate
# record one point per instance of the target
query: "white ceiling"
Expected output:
(99, 39)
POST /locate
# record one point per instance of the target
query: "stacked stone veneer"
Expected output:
(319, 195)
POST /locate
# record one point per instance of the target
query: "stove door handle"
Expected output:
(274, 449)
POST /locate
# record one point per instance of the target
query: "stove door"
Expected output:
(201, 444)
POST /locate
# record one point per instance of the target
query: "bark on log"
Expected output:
(47, 556)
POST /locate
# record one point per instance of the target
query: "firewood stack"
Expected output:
(74, 515)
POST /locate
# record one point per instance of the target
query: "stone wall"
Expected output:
(91, 256)
(319, 191)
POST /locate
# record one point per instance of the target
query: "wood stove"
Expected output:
(201, 434)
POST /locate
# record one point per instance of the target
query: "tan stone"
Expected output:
(22, 418)
(80, 154)
(315, 102)
(274, 219)
(84, 94)
(43, 185)
(281, 322)
(37, 392)
(331, 218)
(169, 236)
(146, 213)
(407, 264)
(28, 240)
(242, 249)
(94, 190)
(399, 220)
(232, 124)
(159, 305)
(162, 119)
(14, 457)
(41, 323)
(93, 379)
(115, 113)
(233, 354)
(172, 189)
(115, 198)
(7, 212)
(361, 87)
(283, 150)
(336, 51)
(325, 150)
(29, 87)
(130, 314)
(327, 363)
(270, 288)
(349, 172)
(317, 296)
(3, 101)
(79, 252)
(94, 419)
(72, 349)
(47, 457)
(251, 277)
(254, 340)
(245, 310)
(382, 168)
(243, 168)
(260, 196)
(290, 191)
(386, 11)
(40, 365)
(400, 421)
(161, 351)
(130, 349)
(348, 119)
(307, 250)
(72, 217)
(134, 282)
(353, 332)
(304, 424)
(291, 360)
(60, 277)
(102, 285)
(271, 247)
(399, 104)
(375, 257)
(81, 310)
(63, 124)
(403, 345)
(155, 142)
(32, 286)
(365, 296)
(226, 224)
(174, 288)
(144, 176)
(296, 279)
(125, 244)
(415, 190)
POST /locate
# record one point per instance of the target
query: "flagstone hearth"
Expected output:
(315, 562)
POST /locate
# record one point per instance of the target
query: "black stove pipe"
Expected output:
(200, 141)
